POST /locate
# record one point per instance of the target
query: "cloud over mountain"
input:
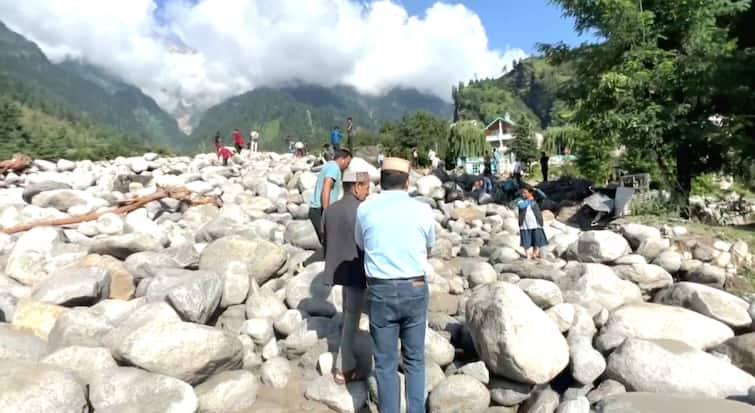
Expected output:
(197, 53)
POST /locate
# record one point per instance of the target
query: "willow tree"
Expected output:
(465, 139)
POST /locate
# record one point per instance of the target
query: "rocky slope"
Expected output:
(183, 309)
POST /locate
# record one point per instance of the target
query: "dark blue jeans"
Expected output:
(399, 310)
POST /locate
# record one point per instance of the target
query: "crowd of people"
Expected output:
(377, 249)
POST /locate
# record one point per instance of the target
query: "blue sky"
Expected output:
(515, 23)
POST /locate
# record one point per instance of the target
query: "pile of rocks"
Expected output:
(182, 309)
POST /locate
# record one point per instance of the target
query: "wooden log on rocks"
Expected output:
(180, 193)
(19, 163)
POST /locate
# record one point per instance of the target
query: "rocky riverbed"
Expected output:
(176, 308)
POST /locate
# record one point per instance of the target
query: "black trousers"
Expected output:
(239, 148)
(315, 217)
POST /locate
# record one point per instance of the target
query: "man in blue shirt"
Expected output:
(327, 188)
(335, 138)
(396, 232)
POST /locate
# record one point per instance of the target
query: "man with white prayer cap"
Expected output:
(396, 233)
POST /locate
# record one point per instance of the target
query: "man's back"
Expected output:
(342, 259)
(395, 232)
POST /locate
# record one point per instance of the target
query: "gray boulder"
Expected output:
(515, 338)
(596, 286)
(128, 389)
(275, 372)
(509, 393)
(544, 400)
(636, 234)
(669, 260)
(639, 402)
(33, 189)
(601, 246)
(648, 277)
(479, 273)
(262, 258)
(741, 351)
(74, 286)
(672, 367)
(705, 273)
(20, 345)
(196, 298)
(148, 264)
(459, 393)
(121, 246)
(183, 350)
(656, 321)
(228, 392)
(578, 405)
(31, 387)
(83, 361)
(712, 302)
(350, 398)
(61, 199)
(302, 234)
(605, 389)
(545, 294)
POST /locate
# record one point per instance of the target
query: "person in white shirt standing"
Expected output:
(254, 141)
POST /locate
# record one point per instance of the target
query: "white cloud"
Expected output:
(242, 44)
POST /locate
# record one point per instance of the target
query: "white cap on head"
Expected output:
(396, 164)
(351, 176)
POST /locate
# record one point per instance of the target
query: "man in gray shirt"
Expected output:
(344, 265)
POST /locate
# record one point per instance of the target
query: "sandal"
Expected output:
(346, 377)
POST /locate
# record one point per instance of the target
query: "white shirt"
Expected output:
(517, 167)
(530, 222)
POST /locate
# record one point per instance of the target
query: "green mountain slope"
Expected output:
(529, 90)
(81, 93)
(308, 112)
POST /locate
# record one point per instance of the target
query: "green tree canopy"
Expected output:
(465, 138)
(524, 146)
(658, 83)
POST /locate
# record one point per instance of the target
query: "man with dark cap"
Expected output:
(396, 233)
(344, 266)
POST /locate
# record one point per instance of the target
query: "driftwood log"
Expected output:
(180, 193)
(19, 163)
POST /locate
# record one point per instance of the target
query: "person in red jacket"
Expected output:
(238, 140)
(225, 153)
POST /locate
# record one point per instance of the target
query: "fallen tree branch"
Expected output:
(19, 163)
(180, 193)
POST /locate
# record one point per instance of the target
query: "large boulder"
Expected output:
(712, 302)
(636, 234)
(128, 389)
(545, 294)
(601, 246)
(61, 199)
(74, 286)
(350, 398)
(262, 258)
(33, 189)
(121, 246)
(183, 350)
(459, 393)
(741, 351)
(31, 387)
(36, 317)
(195, 298)
(228, 392)
(648, 277)
(640, 402)
(596, 286)
(427, 184)
(27, 259)
(20, 345)
(514, 337)
(672, 367)
(83, 361)
(302, 234)
(122, 285)
(655, 321)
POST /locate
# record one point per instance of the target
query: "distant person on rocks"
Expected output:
(344, 265)
(415, 158)
(218, 144)
(254, 141)
(518, 172)
(531, 234)
(433, 157)
(544, 165)
(225, 154)
(380, 159)
(238, 140)
(335, 138)
(486, 165)
(327, 188)
(396, 233)
(299, 149)
(496, 161)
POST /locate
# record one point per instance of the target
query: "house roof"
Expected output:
(501, 119)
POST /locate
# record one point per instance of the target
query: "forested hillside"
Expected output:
(308, 112)
(79, 99)
(530, 89)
